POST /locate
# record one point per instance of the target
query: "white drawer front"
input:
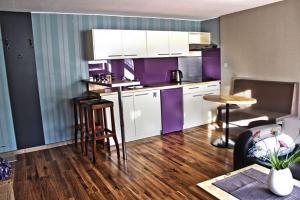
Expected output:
(210, 87)
(192, 89)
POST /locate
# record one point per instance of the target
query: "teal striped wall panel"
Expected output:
(59, 53)
(7, 133)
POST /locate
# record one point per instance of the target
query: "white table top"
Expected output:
(230, 99)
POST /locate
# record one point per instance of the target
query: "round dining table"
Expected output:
(227, 100)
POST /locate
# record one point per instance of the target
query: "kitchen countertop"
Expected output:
(159, 86)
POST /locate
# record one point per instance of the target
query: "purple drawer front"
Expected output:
(172, 110)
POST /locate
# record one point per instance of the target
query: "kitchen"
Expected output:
(174, 70)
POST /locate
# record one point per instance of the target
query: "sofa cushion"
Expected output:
(242, 117)
(282, 143)
(261, 132)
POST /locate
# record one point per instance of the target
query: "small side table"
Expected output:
(227, 100)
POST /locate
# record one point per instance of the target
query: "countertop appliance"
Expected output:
(176, 76)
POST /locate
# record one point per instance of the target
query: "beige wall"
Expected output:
(261, 43)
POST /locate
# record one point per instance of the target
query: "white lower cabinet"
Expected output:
(142, 111)
(192, 107)
(142, 114)
(128, 111)
(209, 109)
(129, 116)
(198, 111)
(147, 113)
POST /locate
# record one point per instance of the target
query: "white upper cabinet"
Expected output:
(121, 44)
(134, 43)
(107, 44)
(178, 43)
(158, 43)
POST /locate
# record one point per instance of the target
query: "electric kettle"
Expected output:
(176, 76)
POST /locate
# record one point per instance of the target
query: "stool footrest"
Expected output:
(104, 136)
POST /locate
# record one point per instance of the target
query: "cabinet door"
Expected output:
(147, 113)
(128, 116)
(192, 105)
(134, 43)
(209, 111)
(158, 43)
(179, 43)
(107, 44)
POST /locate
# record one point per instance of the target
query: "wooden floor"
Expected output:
(157, 168)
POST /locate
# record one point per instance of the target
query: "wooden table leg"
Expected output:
(122, 123)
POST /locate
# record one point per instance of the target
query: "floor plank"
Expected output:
(167, 167)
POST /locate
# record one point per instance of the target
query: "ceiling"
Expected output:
(184, 9)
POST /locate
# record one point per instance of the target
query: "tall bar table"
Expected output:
(118, 85)
(227, 100)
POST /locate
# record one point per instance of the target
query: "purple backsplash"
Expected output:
(157, 70)
(146, 70)
(211, 65)
(154, 70)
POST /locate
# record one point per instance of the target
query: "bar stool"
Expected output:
(78, 113)
(102, 132)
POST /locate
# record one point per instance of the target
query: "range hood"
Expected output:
(199, 41)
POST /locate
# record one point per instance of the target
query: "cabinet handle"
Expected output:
(131, 55)
(114, 55)
(141, 94)
(199, 95)
(127, 96)
(176, 53)
(211, 85)
(209, 94)
(192, 88)
(163, 54)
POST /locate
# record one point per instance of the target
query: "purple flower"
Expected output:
(5, 169)
(256, 134)
(283, 144)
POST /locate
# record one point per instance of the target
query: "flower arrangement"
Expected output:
(5, 169)
(276, 155)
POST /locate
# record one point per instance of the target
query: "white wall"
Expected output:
(261, 43)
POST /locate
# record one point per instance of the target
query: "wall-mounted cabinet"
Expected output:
(158, 43)
(121, 44)
(178, 43)
(106, 44)
(167, 43)
(116, 44)
(134, 43)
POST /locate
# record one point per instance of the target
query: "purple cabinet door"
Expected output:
(171, 110)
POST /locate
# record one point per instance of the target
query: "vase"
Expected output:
(281, 182)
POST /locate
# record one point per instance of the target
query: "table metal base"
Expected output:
(220, 142)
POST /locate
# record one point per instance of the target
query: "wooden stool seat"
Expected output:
(100, 132)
